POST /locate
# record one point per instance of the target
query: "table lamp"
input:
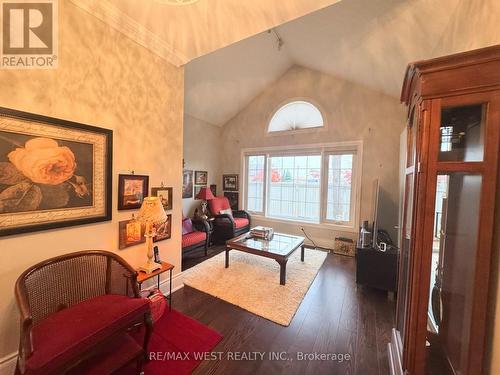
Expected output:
(152, 214)
(205, 194)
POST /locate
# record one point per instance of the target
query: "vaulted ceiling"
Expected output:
(369, 42)
(230, 57)
(181, 33)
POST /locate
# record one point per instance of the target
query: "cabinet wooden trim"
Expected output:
(458, 74)
(458, 80)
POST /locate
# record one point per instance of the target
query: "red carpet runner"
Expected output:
(176, 345)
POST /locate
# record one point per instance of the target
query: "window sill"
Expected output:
(307, 224)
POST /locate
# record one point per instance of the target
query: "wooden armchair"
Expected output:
(76, 307)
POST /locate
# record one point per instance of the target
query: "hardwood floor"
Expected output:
(194, 257)
(334, 317)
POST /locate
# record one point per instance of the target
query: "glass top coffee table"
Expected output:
(279, 248)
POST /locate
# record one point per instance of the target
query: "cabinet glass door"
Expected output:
(406, 230)
(453, 271)
(462, 133)
(462, 170)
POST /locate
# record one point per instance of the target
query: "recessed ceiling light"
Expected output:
(177, 2)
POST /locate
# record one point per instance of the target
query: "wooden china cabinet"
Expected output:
(448, 214)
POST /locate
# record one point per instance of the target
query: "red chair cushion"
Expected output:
(240, 222)
(217, 204)
(65, 334)
(193, 238)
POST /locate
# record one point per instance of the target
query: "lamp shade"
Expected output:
(152, 211)
(205, 194)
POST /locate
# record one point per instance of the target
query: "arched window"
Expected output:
(294, 116)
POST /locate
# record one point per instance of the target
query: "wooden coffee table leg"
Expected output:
(283, 271)
(227, 256)
(302, 248)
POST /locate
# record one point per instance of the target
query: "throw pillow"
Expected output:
(227, 211)
(187, 226)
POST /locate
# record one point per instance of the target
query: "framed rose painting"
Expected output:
(53, 173)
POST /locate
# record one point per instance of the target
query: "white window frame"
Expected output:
(325, 149)
(354, 184)
(323, 128)
(244, 184)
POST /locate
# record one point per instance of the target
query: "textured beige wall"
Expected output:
(106, 80)
(352, 113)
(474, 25)
(202, 152)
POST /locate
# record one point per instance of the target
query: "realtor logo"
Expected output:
(29, 34)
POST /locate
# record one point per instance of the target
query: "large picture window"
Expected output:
(294, 187)
(306, 184)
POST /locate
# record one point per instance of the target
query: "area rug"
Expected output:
(177, 346)
(252, 282)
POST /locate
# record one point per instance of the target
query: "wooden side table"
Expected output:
(143, 276)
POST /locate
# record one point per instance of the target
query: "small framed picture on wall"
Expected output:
(214, 189)
(233, 198)
(197, 190)
(131, 232)
(187, 184)
(165, 195)
(164, 231)
(230, 182)
(131, 191)
(200, 177)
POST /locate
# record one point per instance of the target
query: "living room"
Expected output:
(299, 120)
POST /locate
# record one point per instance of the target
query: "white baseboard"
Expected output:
(8, 363)
(177, 283)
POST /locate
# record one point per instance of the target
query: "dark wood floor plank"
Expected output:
(335, 317)
(384, 314)
(366, 348)
(328, 333)
(194, 257)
